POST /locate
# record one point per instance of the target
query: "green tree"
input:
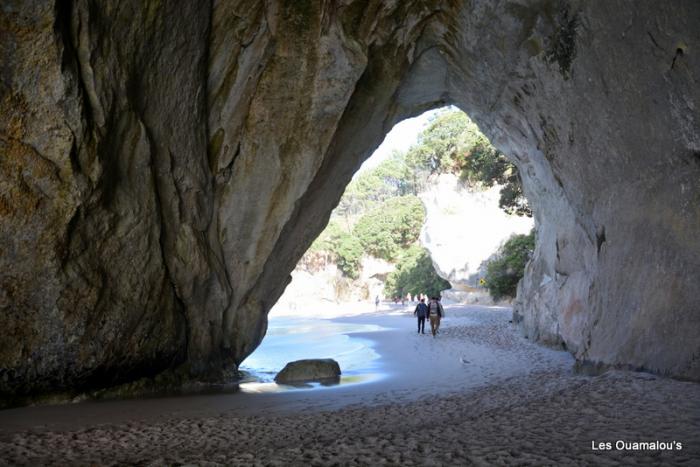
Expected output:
(505, 271)
(348, 251)
(452, 143)
(440, 144)
(393, 177)
(513, 200)
(414, 274)
(328, 238)
(390, 219)
(344, 247)
(390, 227)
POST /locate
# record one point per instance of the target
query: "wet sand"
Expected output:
(476, 394)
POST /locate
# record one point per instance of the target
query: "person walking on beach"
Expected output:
(421, 312)
(441, 315)
(435, 313)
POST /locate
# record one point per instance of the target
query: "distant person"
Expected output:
(421, 312)
(435, 313)
(410, 299)
(376, 303)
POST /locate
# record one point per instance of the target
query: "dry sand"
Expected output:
(476, 394)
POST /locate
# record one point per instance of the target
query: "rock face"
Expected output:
(317, 282)
(464, 228)
(164, 165)
(322, 369)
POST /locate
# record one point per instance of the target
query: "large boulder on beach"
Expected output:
(300, 371)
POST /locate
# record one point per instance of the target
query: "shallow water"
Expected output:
(289, 339)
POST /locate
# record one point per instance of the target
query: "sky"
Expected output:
(400, 138)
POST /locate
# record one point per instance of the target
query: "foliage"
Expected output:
(348, 252)
(440, 144)
(390, 227)
(505, 271)
(393, 177)
(482, 163)
(512, 198)
(383, 232)
(344, 247)
(452, 143)
(327, 238)
(414, 274)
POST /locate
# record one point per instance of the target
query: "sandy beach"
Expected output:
(477, 394)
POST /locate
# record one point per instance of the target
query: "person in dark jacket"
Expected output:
(421, 312)
(435, 312)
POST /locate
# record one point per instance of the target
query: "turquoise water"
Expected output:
(290, 339)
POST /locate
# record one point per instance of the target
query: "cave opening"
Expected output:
(166, 164)
(435, 211)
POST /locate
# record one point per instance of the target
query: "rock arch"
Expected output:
(164, 167)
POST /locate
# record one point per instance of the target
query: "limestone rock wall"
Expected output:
(612, 165)
(316, 290)
(164, 165)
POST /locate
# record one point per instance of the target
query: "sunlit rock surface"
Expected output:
(321, 369)
(463, 229)
(165, 165)
(317, 286)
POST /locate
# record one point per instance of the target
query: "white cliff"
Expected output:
(464, 227)
(318, 288)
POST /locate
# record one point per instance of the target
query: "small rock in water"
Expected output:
(300, 371)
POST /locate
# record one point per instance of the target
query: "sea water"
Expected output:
(289, 339)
